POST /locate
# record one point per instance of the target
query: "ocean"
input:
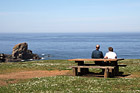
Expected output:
(51, 46)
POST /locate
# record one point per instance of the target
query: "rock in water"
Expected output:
(20, 51)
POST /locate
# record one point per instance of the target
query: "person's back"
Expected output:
(110, 54)
(96, 54)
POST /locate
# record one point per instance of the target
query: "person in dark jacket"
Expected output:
(96, 54)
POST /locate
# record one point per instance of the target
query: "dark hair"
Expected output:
(110, 49)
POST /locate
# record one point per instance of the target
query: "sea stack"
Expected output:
(20, 52)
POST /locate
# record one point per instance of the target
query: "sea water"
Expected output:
(73, 45)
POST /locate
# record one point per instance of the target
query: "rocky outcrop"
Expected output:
(21, 52)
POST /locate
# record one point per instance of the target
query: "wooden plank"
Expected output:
(102, 67)
(94, 60)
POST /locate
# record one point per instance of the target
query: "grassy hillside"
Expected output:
(128, 83)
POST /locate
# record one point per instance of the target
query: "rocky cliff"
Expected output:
(20, 52)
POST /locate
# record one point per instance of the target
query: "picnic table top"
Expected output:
(95, 59)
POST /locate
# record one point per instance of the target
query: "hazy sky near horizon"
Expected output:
(69, 16)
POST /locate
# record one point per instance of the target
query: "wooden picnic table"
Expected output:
(84, 67)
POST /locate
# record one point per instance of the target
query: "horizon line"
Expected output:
(61, 32)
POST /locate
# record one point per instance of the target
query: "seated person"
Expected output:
(96, 54)
(110, 54)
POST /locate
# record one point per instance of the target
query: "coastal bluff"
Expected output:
(20, 53)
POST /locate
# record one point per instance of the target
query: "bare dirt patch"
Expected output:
(16, 76)
(32, 74)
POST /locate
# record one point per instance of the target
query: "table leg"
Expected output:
(75, 73)
(106, 73)
(82, 71)
(111, 72)
(116, 69)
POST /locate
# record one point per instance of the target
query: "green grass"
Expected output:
(35, 65)
(65, 84)
(133, 66)
(73, 84)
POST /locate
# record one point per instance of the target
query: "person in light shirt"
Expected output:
(110, 54)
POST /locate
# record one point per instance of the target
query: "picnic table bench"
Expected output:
(83, 68)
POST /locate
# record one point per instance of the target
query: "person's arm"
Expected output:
(106, 57)
(92, 55)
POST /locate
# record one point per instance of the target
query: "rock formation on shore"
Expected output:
(20, 52)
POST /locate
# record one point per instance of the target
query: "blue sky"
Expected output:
(69, 16)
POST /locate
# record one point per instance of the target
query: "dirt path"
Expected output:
(16, 76)
(32, 74)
